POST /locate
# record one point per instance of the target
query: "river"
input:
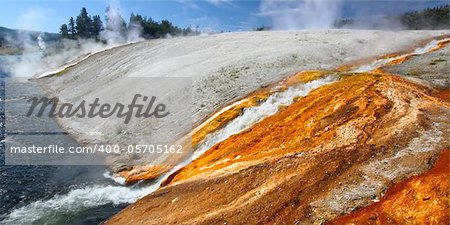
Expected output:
(51, 194)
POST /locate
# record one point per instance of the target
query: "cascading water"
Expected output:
(433, 45)
(89, 197)
(74, 201)
(97, 195)
(255, 114)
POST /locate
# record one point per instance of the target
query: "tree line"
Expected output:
(87, 27)
(429, 18)
(154, 29)
(83, 26)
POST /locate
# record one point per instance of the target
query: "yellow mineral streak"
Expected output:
(356, 102)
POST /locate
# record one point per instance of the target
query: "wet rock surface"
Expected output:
(432, 68)
(422, 199)
(336, 150)
(224, 68)
(333, 151)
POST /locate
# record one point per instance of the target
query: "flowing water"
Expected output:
(79, 200)
(255, 114)
(55, 194)
(433, 45)
(87, 195)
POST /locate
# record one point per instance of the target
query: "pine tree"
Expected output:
(72, 29)
(115, 27)
(165, 28)
(150, 28)
(83, 24)
(97, 26)
(64, 31)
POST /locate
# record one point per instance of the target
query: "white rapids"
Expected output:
(98, 195)
(74, 201)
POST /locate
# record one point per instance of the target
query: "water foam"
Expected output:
(75, 201)
(119, 180)
(255, 114)
(98, 195)
(433, 45)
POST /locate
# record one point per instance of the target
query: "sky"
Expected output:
(209, 15)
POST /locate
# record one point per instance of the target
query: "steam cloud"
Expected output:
(307, 14)
(115, 29)
(39, 57)
(41, 43)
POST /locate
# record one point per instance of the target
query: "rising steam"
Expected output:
(41, 43)
(307, 14)
(40, 57)
(116, 30)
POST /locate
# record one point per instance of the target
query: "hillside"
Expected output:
(12, 40)
(426, 19)
(335, 150)
(224, 67)
(312, 125)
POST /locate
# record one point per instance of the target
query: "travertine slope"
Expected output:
(422, 199)
(336, 149)
(224, 67)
